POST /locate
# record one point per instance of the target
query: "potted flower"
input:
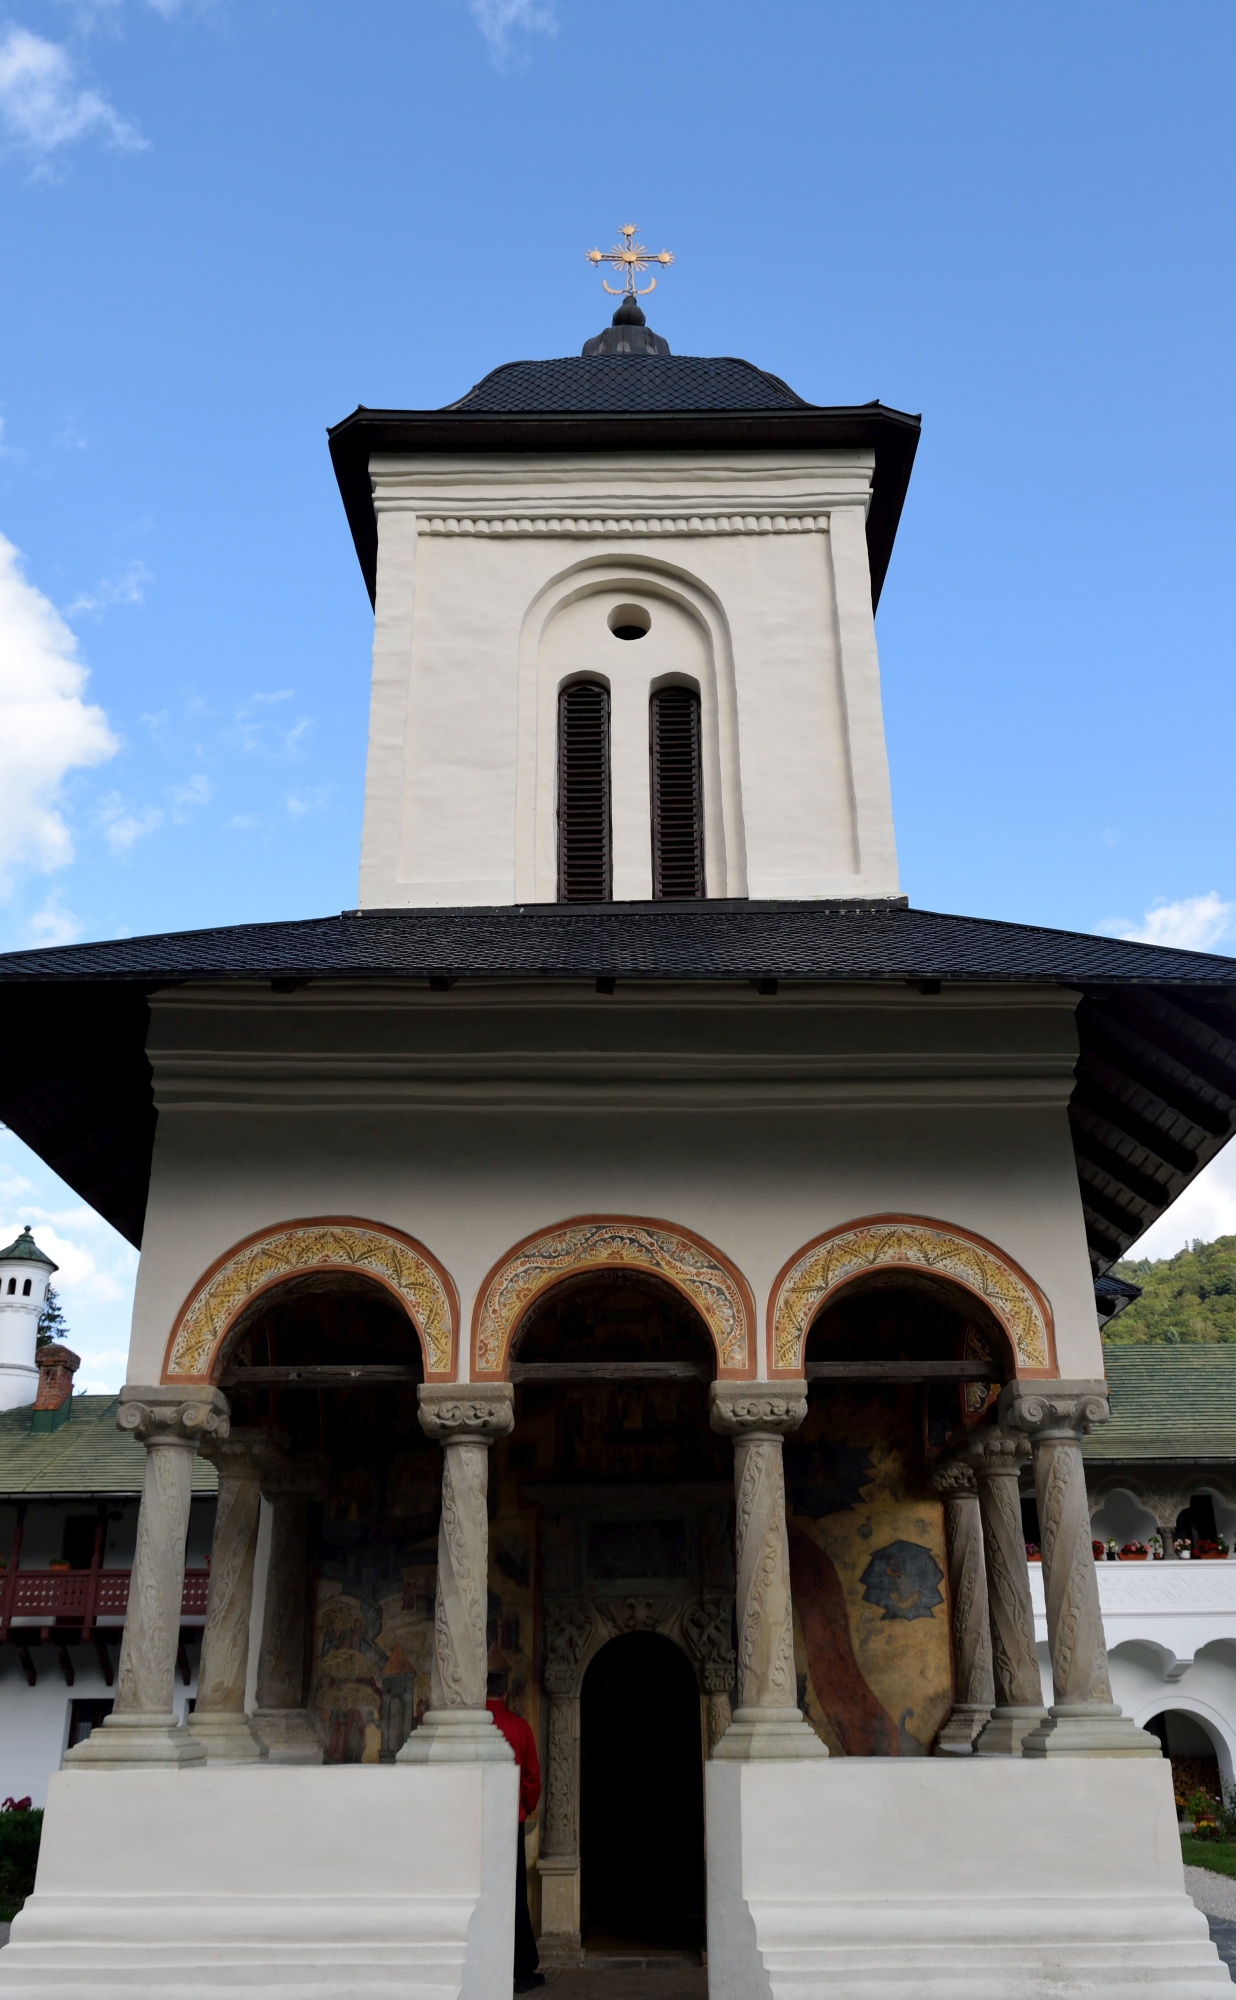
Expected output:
(1184, 1550)
(1033, 1552)
(59, 1562)
(1155, 1545)
(1210, 1551)
(1134, 1552)
(1112, 1551)
(1098, 1551)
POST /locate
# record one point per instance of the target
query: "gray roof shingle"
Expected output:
(1168, 1402)
(628, 384)
(86, 1455)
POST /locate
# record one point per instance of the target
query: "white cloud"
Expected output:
(501, 20)
(198, 791)
(1195, 923)
(47, 728)
(97, 1267)
(53, 924)
(122, 827)
(127, 588)
(42, 107)
(1206, 1209)
(316, 799)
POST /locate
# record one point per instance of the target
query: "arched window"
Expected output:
(583, 794)
(25, 1290)
(677, 793)
(12, 1286)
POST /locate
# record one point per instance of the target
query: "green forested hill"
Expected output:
(1188, 1297)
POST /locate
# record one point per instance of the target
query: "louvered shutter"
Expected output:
(583, 794)
(677, 794)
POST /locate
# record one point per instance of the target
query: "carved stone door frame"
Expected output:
(575, 1629)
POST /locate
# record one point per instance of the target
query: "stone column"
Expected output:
(766, 1723)
(282, 1719)
(974, 1690)
(219, 1721)
(569, 1631)
(142, 1732)
(1083, 1720)
(458, 1728)
(1017, 1684)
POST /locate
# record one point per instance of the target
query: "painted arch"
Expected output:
(199, 1338)
(706, 1279)
(907, 1243)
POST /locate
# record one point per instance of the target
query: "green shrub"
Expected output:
(20, 1831)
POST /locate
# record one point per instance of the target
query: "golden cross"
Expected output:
(629, 257)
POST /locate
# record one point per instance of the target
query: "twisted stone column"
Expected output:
(281, 1718)
(767, 1722)
(569, 1630)
(457, 1727)
(1017, 1684)
(219, 1721)
(142, 1732)
(974, 1690)
(1083, 1720)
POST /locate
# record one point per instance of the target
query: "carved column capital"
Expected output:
(161, 1415)
(756, 1409)
(465, 1413)
(994, 1453)
(285, 1478)
(241, 1454)
(1043, 1410)
(953, 1478)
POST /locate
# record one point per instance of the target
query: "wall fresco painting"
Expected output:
(867, 1568)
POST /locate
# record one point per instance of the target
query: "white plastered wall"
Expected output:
(474, 1118)
(494, 579)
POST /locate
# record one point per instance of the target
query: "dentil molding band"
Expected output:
(332, 1243)
(712, 1285)
(911, 1243)
(621, 524)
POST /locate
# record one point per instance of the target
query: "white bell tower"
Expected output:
(25, 1273)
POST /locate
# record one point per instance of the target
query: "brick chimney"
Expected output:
(57, 1366)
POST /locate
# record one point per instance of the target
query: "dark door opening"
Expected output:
(642, 1797)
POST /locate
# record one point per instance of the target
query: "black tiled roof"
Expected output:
(611, 384)
(1154, 1099)
(702, 941)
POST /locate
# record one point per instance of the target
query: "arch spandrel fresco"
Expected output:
(707, 1280)
(329, 1244)
(914, 1244)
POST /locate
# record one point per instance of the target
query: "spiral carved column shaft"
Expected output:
(142, 1729)
(219, 1720)
(974, 1690)
(1083, 1721)
(281, 1718)
(1017, 1685)
(458, 1727)
(766, 1722)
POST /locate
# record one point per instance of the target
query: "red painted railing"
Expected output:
(81, 1596)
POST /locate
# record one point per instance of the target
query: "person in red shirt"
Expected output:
(523, 1744)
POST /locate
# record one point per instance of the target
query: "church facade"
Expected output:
(632, 1238)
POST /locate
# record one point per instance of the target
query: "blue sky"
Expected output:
(222, 225)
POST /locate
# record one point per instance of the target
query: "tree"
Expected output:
(1187, 1298)
(52, 1323)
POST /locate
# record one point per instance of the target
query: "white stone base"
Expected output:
(940, 1878)
(759, 1733)
(289, 1735)
(137, 1743)
(1089, 1729)
(456, 1736)
(357, 1882)
(226, 1737)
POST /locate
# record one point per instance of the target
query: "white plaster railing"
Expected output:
(1174, 1607)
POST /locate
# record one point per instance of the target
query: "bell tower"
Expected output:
(624, 614)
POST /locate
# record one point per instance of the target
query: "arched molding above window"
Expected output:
(200, 1336)
(911, 1243)
(690, 610)
(706, 1279)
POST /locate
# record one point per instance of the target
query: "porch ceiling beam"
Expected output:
(611, 1371)
(903, 1371)
(333, 1375)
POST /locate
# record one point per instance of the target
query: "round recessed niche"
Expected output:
(629, 621)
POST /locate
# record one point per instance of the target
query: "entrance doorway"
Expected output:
(642, 1797)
